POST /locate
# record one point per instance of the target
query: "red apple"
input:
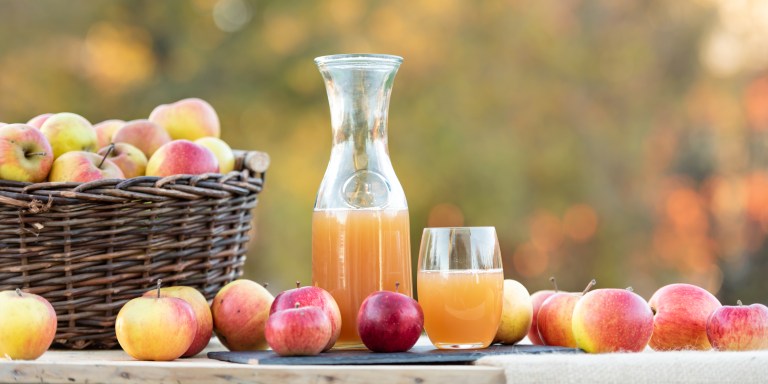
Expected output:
(188, 119)
(240, 311)
(128, 158)
(25, 154)
(38, 120)
(612, 320)
(27, 325)
(299, 331)
(182, 157)
(738, 328)
(67, 132)
(156, 328)
(82, 167)
(389, 322)
(555, 318)
(142, 134)
(680, 317)
(202, 311)
(537, 298)
(105, 130)
(311, 296)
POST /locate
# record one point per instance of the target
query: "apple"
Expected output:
(82, 167)
(311, 296)
(182, 157)
(156, 328)
(188, 119)
(555, 318)
(516, 313)
(27, 325)
(25, 154)
(142, 134)
(537, 298)
(202, 312)
(69, 132)
(240, 310)
(128, 158)
(680, 317)
(38, 120)
(221, 150)
(299, 331)
(612, 320)
(105, 130)
(738, 328)
(389, 321)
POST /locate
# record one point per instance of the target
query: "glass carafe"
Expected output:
(360, 226)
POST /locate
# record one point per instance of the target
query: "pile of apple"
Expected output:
(677, 317)
(177, 138)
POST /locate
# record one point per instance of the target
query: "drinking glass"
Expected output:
(460, 286)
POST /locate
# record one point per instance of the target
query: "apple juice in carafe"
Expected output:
(360, 226)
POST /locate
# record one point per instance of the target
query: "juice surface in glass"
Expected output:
(357, 252)
(462, 308)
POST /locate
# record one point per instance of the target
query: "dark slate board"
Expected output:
(417, 355)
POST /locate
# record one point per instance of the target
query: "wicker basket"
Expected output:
(90, 247)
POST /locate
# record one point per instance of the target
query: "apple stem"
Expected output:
(36, 154)
(589, 286)
(159, 282)
(109, 150)
(630, 289)
(18, 292)
(739, 303)
(397, 287)
(296, 305)
(298, 284)
(265, 284)
(554, 282)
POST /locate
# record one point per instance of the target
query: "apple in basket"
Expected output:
(128, 158)
(240, 311)
(79, 166)
(188, 119)
(38, 120)
(202, 314)
(311, 296)
(67, 132)
(142, 134)
(27, 325)
(221, 150)
(182, 157)
(25, 154)
(739, 327)
(555, 318)
(680, 317)
(156, 327)
(105, 130)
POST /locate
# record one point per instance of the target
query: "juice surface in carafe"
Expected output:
(357, 252)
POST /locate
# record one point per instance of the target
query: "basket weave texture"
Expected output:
(88, 248)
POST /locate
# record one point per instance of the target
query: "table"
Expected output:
(647, 367)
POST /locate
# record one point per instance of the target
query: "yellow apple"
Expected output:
(27, 325)
(221, 150)
(188, 119)
(516, 313)
(202, 314)
(69, 132)
(156, 328)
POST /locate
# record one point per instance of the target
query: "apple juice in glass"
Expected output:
(460, 286)
(360, 226)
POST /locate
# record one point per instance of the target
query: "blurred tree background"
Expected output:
(621, 140)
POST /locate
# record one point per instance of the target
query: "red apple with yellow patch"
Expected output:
(142, 134)
(27, 325)
(38, 120)
(680, 317)
(182, 157)
(240, 311)
(738, 328)
(105, 130)
(612, 320)
(188, 119)
(202, 311)
(25, 154)
(128, 158)
(310, 296)
(83, 167)
(555, 318)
